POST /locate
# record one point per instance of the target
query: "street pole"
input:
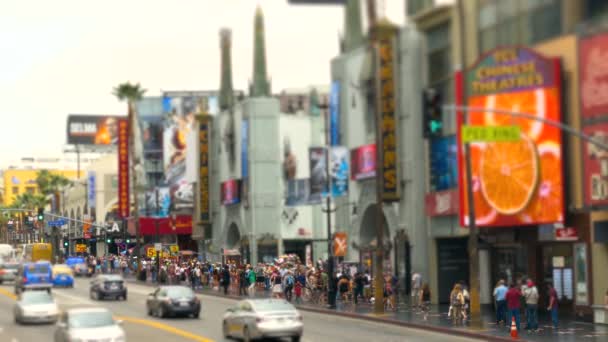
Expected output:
(156, 226)
(331, 286)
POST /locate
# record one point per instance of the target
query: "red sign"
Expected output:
(363, 162)
(442, 203)
(123, 169)
(182, 225)
(593, 71)
(595, 161)
(566, 234)
(340, 244)
(231, 192)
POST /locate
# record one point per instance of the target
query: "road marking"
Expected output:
(165, 327)
(7, 293)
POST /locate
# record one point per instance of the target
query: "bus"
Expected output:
(37, 252)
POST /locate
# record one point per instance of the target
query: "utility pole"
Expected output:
(331, 288)
(156, 226)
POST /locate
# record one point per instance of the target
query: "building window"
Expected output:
(517, 22)
(15, 190)
(30, 190)
(440, 70)
(416, 6)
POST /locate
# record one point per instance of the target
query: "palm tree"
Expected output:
(132, 93)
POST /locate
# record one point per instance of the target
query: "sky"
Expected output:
(63, 57)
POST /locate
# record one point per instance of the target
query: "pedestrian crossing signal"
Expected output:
(432, 113)
(40, 214)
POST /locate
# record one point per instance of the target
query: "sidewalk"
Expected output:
(569, 330)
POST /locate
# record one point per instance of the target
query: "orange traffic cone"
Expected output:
(513, 329)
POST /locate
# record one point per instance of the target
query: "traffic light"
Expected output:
(128, 240)
(431, 108)
(65, 243)
(108, 240)
(40, 214)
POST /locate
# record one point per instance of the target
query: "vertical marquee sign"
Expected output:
(123, 168)
(388, 126)
(204, 132)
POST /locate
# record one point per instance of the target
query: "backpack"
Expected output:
(289, 280)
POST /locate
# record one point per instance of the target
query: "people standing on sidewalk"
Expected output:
(416, 284)
(467, 300)
(513, 305)
(553, 305)
(425, 300)
(297, 290)
(359, 286)
(456, 303)
(289, 282)
(225, 279)
(242, 279)
(275, 280)
(252, 277)
(500, 292)
(531, 296)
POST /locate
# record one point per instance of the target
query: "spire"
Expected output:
(260, 86)
(226, 91)
(353, 32)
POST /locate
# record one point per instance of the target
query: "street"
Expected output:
(140, 327)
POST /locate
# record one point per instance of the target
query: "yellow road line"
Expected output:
(7, 293)
(165, 327)
(152, 324)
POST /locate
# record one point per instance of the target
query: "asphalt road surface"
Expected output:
(140, 327)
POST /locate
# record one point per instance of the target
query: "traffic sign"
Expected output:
(158, 246)
(490, 133)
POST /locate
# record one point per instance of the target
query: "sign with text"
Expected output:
(91, 189)
(593, 75)
(123, 169)
(340, 244)
(595, 162)
(93, 129)
(519, 182)
(490, 133)
(334, 113)
(81, 248)
(363, 162)
(203, 133)
(388, 125)
(442, 203)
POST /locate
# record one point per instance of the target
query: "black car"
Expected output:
(173, 301)
(108, 286)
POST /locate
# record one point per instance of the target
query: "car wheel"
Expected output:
(160, 313)
(91, 295)
(296, 338)
(225, 330)
(246, 335)
(150, 312)
(196, 315)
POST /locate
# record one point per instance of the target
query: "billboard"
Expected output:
(160, 206)
(338, 169)
(93, 129)
(152, 133)
(521, 182)
(363, 162)
(595, 161)
(318, 172)
(91, 189)
(387, 106)
(444, 163)
(204, 133)
(123, 169)
(593, 52)
(231, 191)
(334, 113)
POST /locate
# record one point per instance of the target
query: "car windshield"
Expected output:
(90, 319)
(273, 305)
(113, 278)
(38, 268)
(36, 297)
(179, 292)
(10, 266)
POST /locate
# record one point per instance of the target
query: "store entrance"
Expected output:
(558, 269)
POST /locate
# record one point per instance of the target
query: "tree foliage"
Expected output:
(129, 92)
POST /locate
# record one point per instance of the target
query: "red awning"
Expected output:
(181, 226)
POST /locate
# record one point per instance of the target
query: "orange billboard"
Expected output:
(520, 182)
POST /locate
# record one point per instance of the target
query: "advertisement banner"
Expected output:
(91, 189)
(442, 203)
(339, 171)
(231, 191)
(318, 172)
(334, 113)
(595, 162)
(387, 107)
(363, 162)
(123, 169)
(444, 163)
(152, 134)
(298, 192)
(244, 149)
(515, 183)
(592, 57)
(181, 225)
(180, 124)
(93, 129)
(340, 244)
(204, 135)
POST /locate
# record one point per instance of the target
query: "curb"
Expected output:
(426, 327)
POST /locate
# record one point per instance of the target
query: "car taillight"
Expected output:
(24, 280)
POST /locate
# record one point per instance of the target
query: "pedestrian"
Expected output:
(225, 279)
(276, 282)
(359, 286)
(242, 282)
(513, 297)
(252, 276)
(288, 286)
(531, 296)
(500, 292)
(456, 303)
(553, 305)
(467, 300)
(298, 291)
(416, 284)
(425, 300)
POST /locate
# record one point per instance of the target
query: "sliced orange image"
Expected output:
(484, 214)
(547, 204)
(508, 172)
(529, 102)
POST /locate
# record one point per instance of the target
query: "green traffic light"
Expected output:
(109, 241)
(128, 241)
(65, 244)
(40, 217)
(435, 126)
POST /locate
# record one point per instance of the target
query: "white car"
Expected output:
(36, 307)
(89, 324)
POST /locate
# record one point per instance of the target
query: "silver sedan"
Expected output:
(36, 307)
(263, 318)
